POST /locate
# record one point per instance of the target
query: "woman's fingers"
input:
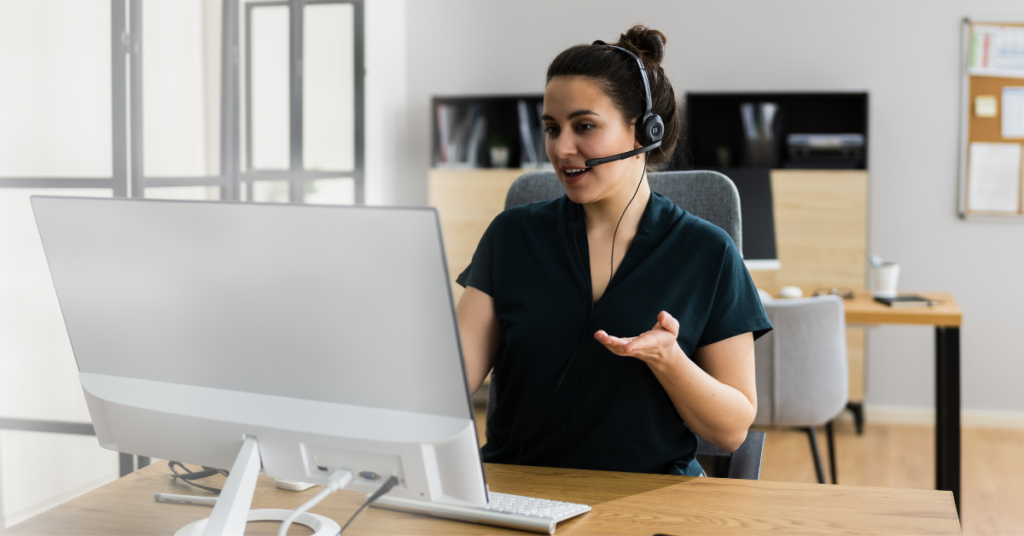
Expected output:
(628, 345)
(669, 323)
(616, 344)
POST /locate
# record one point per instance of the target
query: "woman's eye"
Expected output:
(551, 130)
(584, 126)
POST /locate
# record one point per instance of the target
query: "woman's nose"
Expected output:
(565, 146)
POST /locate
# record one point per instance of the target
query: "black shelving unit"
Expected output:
(713, 121)
(502, 116)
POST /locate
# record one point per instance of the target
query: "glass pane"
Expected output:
(331, 192)
(270, 191)
(181, 87)
(55, 95)
(328, 64)
(189, 193)
(38, 374)
(269, 88)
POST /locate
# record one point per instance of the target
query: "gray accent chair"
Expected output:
(706, 194)
(801, 369)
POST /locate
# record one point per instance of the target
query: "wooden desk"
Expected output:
(623, 503)
(946, 317)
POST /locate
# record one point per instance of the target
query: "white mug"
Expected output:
(885, 278)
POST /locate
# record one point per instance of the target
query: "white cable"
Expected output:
(336, 481)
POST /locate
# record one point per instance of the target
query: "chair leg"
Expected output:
(831, 450)
(813, 437)
(858, 415)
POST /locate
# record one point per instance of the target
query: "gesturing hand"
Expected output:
(653, 347)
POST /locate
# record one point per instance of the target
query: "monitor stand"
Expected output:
(232, 512)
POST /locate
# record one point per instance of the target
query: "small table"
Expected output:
(946, 317)
(623, 503)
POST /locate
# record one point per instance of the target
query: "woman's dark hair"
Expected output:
(618, 75)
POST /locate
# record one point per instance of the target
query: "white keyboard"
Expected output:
(504, 510)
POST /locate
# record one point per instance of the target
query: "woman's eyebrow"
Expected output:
(573, 115)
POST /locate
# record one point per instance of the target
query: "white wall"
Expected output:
(385, 104)
(904, 53)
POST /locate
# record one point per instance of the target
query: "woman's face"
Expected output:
(582, 123)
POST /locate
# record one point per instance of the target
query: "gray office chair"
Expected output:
(705, 194)
(745, 463)
(801, 369)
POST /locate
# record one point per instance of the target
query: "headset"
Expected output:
(650, 129)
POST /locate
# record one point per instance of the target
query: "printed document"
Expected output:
(993, 177)
(997, 51)
(1013, 112)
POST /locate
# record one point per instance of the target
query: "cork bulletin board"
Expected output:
(991, 177)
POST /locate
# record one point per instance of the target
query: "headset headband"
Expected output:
(643, 74)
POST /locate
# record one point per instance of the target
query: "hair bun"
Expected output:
(649, 43)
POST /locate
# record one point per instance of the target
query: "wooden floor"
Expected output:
(903, 456)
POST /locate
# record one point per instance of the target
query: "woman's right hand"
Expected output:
(480, 333)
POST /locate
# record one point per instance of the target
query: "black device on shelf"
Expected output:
(465, 128)
(754, 130)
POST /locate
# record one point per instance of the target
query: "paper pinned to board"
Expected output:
(993, 177)
(997, 51)
(1013, 112)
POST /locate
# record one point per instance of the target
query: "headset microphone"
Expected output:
(651, 127)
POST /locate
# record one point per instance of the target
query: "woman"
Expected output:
(561, 294)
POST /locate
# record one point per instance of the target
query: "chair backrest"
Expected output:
(800, 366)
(745, 463)
(706, 194)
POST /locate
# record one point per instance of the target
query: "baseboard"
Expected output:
(18, 517)
(973, 418)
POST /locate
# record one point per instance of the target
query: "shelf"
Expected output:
(713, 125)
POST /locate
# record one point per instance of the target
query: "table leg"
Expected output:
(127, 463)
(947, 411)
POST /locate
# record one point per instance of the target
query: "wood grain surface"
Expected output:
(820, 229)
(623, 503)
(863, 309)
(466, 201)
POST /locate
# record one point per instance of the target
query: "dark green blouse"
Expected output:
(610, 412)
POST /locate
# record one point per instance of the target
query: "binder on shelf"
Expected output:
(445, 125)
(529, 158)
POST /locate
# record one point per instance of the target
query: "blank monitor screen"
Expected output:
(755, 189)
(259, 298)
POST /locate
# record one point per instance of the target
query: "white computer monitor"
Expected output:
(328, 334)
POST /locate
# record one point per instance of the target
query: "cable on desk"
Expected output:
(188, 476)
(336, 481)
(384, 488)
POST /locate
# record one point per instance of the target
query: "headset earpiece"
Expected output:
(653, 129)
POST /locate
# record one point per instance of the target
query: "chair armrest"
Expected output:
(746, 461)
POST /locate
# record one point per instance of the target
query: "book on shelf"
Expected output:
(461, 131)
(526, 133)
(909, 300)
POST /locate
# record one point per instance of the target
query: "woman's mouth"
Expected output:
(574, 175)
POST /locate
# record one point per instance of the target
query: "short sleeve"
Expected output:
(736, 308)
(479, 272)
